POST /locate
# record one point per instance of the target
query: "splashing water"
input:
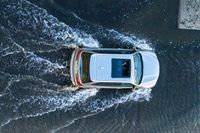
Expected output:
(98, 104)
(48, 101)
(31, 90)
(23, 15)
(129, 40)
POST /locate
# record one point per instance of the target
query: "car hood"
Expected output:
(151, 69)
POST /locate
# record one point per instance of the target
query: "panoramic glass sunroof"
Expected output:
(120, 68)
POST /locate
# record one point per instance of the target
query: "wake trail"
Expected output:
(25, 16)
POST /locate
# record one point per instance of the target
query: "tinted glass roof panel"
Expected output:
(121, 68)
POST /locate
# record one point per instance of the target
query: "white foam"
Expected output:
(72, 122)
(76, 16)
(47, 104)
(33, 18)
(67, 36)
(130, 39)
(101, 104)
(10, 49)
(41, 63)
(98, 105)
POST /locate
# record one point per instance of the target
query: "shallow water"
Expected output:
(36, 40)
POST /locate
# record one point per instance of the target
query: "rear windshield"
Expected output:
(121, 68)
(138, 68)
(85, 67)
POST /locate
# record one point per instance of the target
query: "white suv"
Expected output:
(114, 68)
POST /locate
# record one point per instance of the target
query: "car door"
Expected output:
(112, 85)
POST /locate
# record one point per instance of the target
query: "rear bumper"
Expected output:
(72, 76)
(74, 67)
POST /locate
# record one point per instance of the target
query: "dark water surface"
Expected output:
(36, 39)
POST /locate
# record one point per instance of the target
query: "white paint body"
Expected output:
(100, 68)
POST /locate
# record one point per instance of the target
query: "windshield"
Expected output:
(138, 68)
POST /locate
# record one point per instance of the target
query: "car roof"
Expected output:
(101, 67)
